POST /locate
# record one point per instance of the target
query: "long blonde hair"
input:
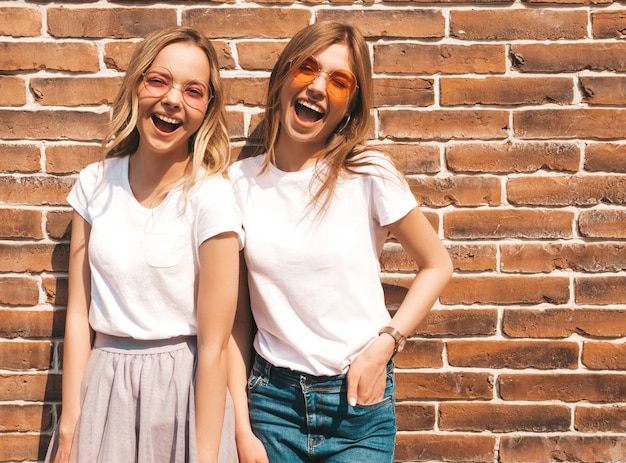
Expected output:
(209, 146)
(349, 139)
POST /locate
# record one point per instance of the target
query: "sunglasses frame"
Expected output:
(319, 71)
(180, 88)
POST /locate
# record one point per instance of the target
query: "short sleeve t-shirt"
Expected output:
(145, 262)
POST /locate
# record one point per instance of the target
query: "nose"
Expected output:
(174, 95)
(320, 82)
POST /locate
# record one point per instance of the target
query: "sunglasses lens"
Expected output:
(340, 83)
(306, 71)
(158, 82)
(196, 93)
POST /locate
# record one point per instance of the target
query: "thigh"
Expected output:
(367, 433)
(277, 418)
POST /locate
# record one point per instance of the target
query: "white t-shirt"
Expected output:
(145, 262)
(314, 281)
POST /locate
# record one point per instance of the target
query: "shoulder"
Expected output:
(245, 168)
(376, 163)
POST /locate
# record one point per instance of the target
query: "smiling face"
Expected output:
(166, 118)
(309, 113)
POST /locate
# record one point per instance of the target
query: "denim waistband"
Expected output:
(289, 376)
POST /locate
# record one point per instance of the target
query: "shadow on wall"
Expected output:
(56, 295)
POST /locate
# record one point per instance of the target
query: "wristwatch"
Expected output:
(398, 337)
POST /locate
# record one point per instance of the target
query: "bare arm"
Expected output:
(78, 334)
(249, 447)
(217, 298)
(367, 372)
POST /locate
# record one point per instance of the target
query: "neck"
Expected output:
(151, 177)
(293, 156)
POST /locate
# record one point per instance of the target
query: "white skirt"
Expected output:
(138, 405)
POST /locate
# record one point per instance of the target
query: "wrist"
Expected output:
(396, 336)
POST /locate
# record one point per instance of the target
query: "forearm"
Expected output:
(210, 400)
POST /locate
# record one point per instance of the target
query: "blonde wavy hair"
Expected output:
(349, 138)
(209, 147)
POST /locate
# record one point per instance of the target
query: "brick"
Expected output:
(608, 24)
(403, 91)
(457, 190)
(108, 22)
(569, 123)
(473, 257)
(567, 190)
(568, 2)
(603, 90)
(507, 223)
(554, 58)
(20, 22)
(117, 55)
(479, 417)
(68, 159)
(415, 417)
(605, 157)
(412, 58)
(56, 290)
(518, 24)
(35, 190)
(58, 224)
(25, 355)
(420, 354)
(604, 356)
(507, 354)
(19, 290)
(248, 91)
(459, 322)
(548, 257)
(506, 290)
(24, 418)
(34, 257)
(259, 56)
(33, 56)
(506, 91)
(46, 124)
(30, 387)
(414, 158)
(12, 91)
(601, 419)
(274, 23)
(512, 157)
(444, 124)
(75, 91)
(20, 223)
(459, 448)
(601, 290)
(19, 158)
(413, 24)
(22, 447)
(602, 223)
(32, 324)
(443, 386)
(563, 323)
(594, 388)
(582, 449)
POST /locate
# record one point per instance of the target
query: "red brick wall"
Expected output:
(507, 118)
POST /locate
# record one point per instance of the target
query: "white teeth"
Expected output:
(167, 119)
(312, 107)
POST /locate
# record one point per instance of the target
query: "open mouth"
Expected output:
(308, 112)
(164, 123)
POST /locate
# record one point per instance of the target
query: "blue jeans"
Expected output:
(305, 418)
